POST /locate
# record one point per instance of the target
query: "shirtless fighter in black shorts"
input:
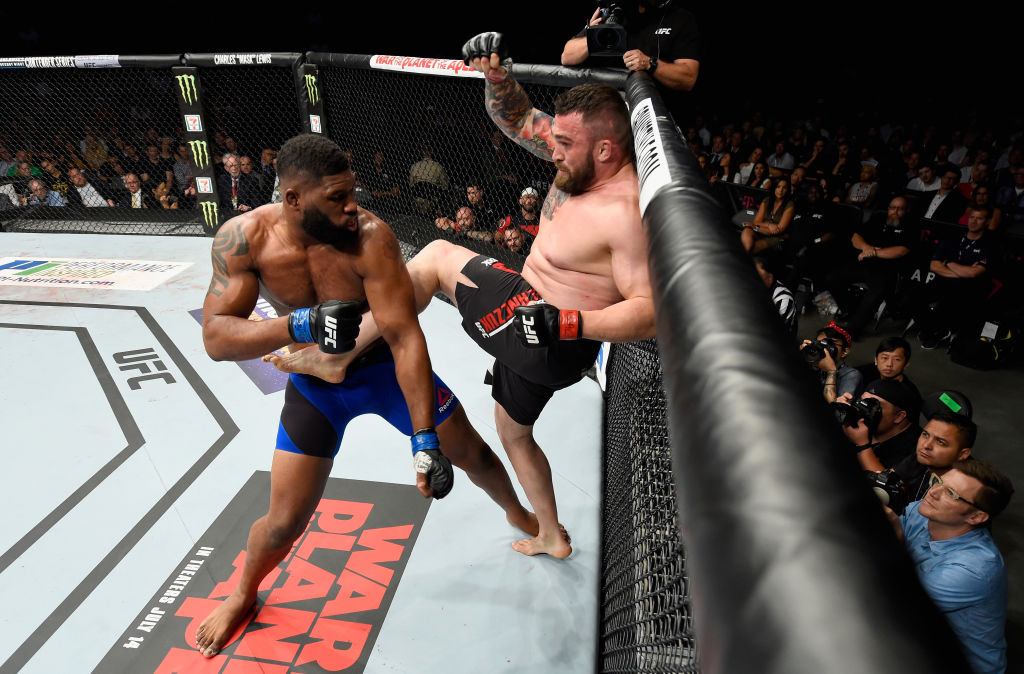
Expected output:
(304, 255)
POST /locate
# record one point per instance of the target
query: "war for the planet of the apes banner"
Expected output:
(320, 610)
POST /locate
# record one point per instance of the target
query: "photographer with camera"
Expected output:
(644, 35)
(881, 424)
(961, 569)
(828, 353)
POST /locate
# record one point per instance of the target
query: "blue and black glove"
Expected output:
(332, 325)
(428, 459)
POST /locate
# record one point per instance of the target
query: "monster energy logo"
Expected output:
(210, 215)
(311, 90)
(187, 84)
(200, 153)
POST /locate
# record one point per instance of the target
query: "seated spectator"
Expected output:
(182, 168)
(978, 174)
(131, 162)
(153, 170)
(54, 177)
(93, 148)
(7, 160)
(382, 185)
(882, 246)
(892, 357)
(781, 161)
(864, 192)
(772, 219)
(41, 194)
(952, 298)
(237, 191)
(1010, 198)
(967, 173)
(718, 159)
(894, 437)
(113, 172)
(26, 171)
(465, 224)
(737, 151)
(134, 197)
(429, 182)
(837, 378)
(742, 176)
(83, 193)
(925, 180)
(163, 197)
(798, 182)
(527, 218)
(249, 168)
(514, 240)
(476, 198)
(946, 204)
(818, 163)
(961, 569)
(982, 198)
(845, 170)
(782, 298)
(814, 242)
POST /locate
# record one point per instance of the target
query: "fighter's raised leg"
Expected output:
(296, 486)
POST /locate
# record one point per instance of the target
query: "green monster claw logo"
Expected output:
(210, 215)
(200, 153)
(187, 84)
(311, 90)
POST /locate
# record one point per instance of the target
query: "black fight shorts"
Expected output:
(523, 379)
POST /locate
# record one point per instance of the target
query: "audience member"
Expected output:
(946, 438)
(527, 218)
(54, 177)
(781, 160)
(892, 358)
(954, 296)
(154, 170)
(1010, 198)
(383, 187)
(134, 197)
(7, 161)
(864, 192)
(925, 181)
(182, 168)
(958, 564)
(882, 246)
(41, 194)
(514, 240)
(817, 164)
(83, 193)
(163, 197)
(772, 219)
(946, 204)
(237, 191)
(743, 172)
(982, 198)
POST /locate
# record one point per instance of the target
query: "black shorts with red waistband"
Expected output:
(524, 379)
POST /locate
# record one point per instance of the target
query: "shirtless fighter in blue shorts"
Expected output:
(304, 256)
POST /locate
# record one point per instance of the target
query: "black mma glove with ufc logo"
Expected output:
(333, 325)
(539, 325)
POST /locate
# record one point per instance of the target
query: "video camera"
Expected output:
(868, 409)
(606, 41)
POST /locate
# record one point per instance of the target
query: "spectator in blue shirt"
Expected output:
(957, 562)
(40, 194)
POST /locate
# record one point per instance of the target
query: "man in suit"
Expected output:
(238, 191)
(84, 193)
(946, 204)
(135, 197)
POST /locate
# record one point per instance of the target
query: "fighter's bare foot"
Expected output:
(527, 522)
(311, 361)
(215, 632)
(558, 547)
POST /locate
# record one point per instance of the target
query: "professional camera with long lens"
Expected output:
(606, 42)
(868, 409)
(890, 489)
(815, 351)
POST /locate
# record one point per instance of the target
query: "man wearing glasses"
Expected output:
(958, 564)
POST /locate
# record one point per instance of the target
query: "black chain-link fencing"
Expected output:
(646, 619)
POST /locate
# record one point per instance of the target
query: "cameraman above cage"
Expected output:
(644, 35)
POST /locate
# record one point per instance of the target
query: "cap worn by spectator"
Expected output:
(529, 190)
(898, 394)
(946, 401)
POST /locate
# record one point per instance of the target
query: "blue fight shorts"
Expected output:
(316, 412)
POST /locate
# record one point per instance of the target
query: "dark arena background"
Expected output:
(720, 550)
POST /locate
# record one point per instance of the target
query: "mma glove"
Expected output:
(538, 325)
(483, 45)
(332, 325)
(428, 459)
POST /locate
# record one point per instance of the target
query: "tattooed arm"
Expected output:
(228, 334)
(510, 108)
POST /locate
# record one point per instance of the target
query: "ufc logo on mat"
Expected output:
(331, 327)
(531, 334)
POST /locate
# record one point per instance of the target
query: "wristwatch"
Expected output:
(654, 65)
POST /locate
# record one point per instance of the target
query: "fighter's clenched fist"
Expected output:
(485, 52)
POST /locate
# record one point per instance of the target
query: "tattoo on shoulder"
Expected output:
(230, 240)
(555, 198)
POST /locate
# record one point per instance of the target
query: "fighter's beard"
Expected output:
(574, 183)
(316, 224)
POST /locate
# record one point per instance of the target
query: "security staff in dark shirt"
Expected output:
(661, 39)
